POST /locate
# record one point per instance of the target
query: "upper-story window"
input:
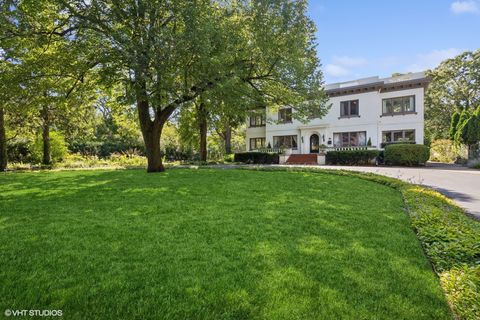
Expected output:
(257, 120)
(398, 105)
(349, 108)
(285, 115)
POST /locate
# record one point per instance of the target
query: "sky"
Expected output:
(364, 38)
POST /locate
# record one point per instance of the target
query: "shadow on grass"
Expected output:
(208, 244)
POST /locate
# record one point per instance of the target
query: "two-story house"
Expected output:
(363, 112)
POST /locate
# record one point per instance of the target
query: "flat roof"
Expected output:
(377, 83)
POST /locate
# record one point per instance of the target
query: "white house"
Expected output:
(366, 110)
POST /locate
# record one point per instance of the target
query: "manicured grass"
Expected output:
(211, 244)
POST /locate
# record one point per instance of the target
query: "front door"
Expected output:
(314, 143)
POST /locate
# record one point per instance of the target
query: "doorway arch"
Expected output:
(314, 143)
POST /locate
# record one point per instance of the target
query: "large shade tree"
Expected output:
(168, 53)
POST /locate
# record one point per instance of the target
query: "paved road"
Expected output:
(458, 183)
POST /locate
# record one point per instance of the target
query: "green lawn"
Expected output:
(211, 244)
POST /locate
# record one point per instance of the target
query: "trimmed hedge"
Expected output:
(257, 157)
(352, 157)
(406, 154)
(383, 145)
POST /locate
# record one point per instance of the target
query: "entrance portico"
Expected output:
(312, 137)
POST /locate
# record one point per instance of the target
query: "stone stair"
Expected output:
(302, 159)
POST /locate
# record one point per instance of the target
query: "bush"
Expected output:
(444, 150)
(406, 154)
(104, 149)
(257, 157)
(229, 158)
(18, 150)
(385, 144)
(461, 285)
(58, 147)
(352, 157)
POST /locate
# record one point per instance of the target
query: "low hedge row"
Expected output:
(352, 157)
(257, 158)
(406, 154)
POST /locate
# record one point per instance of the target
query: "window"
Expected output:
(257, 120)
(285, 142)
(285, 115)
(398, 136)
(349, 108)
(257, 143)
(350, 139)
(400, 105)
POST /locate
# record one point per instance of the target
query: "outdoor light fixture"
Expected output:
(323, 137)
(302, 139)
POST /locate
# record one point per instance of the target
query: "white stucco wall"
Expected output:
(370, 120)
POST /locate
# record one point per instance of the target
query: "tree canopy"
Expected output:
(161, 55)
(169, 53)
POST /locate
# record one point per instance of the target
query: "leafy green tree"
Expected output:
(58, 148)
(455, 86)
(168, 53)
(50, 78)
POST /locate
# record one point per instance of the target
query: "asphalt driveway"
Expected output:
(456, 182)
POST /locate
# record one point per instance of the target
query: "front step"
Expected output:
(302, 159)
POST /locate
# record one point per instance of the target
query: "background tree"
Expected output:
(50, 72)
(455, 86)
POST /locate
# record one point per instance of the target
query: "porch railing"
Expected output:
(271, 150)
(286, 151)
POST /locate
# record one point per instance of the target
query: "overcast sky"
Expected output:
(359, 39)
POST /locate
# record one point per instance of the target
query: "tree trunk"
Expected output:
(47, 157)
(202, 127)
(152, 148)
(3, 142)
(151, 131)
(228, 139)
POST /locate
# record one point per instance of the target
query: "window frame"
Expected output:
(349, 139)
(276, 145)
(403, 131)
(403, 110)
(287, 111)
(255, 143)
(255, 117)
(349, 108)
